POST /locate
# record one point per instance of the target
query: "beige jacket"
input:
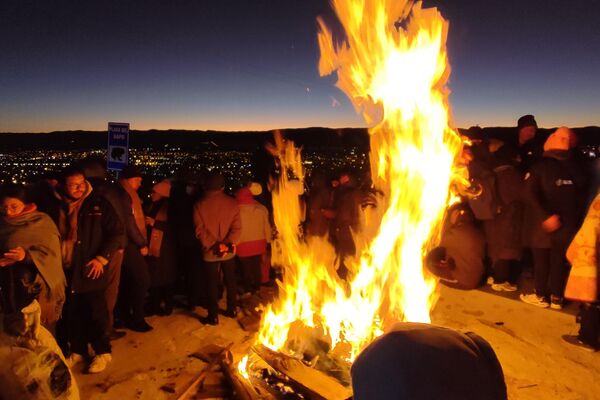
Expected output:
(217, 219)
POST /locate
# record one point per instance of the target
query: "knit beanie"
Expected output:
(559, 140)
(255, 188)
(163, 188)
(526, 120)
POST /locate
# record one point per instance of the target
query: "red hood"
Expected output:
(243, 196)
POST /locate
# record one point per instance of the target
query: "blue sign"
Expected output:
(118, 146)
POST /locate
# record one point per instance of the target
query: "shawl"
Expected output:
(136, 205)
(38, 235)
(582, 253)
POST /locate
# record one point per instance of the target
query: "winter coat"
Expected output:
(463, 247)
(347, 203)
(421, 362)
(99, 233)
(217, 219)
(583, 281)
(256, 228)
(121, 202)
(555, 185)
(318, 203)
(161, 257)
(503, 233)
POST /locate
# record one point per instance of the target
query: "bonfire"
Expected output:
(391, 62)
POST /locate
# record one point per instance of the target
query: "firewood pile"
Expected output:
(270, 375)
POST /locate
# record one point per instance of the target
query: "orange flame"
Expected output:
(394, 68)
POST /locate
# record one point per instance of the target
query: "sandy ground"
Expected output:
(536, 362)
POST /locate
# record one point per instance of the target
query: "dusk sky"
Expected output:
(252, 64)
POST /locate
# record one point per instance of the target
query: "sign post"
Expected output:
(118, 146)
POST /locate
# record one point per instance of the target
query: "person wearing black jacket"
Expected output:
(554, 191)
(91, 235)
(96, 174)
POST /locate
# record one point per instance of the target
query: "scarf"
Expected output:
(582, 253)
(136, 205)
(38, 235)
(67, 224)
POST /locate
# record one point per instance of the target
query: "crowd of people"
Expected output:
(527, 203)
(99, 257)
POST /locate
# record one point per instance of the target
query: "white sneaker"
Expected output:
(74, 359)
(534, 300)
(504, 286)
(99, 363)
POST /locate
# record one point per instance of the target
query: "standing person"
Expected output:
(91, 234)
(347, 202)
(530, 144)
(503, 232)
(95, 172)
(583, 283)
(135, 279)
(254, 237)
(318, 206)
(30, 266)
(218, 227)
(554, 192)
(161, 257)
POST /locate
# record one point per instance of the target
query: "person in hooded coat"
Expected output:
(503, 232)
(554, 191)
(31, 266)
(161, 257)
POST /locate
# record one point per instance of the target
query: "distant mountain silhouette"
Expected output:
(311, 138)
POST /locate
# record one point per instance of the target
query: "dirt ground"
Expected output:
(536, 362)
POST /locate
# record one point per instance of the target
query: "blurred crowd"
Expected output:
(99, 254)
(530, 214)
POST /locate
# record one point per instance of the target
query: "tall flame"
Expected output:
(394, 68)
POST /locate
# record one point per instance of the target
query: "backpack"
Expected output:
(486, 205)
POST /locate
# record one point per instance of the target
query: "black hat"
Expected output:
(526, 120)
(131, 171)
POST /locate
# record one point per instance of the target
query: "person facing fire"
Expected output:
(346, 204)
(554, 191)
(420, 362)
(91, 234)
(459, 259)
(218, 227)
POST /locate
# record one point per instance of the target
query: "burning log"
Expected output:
(314, 383)
(242, 388)
(199, 381)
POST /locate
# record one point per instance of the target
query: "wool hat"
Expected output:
(214, 181)
(526, 120)
(255, 188)
(163, 188)
(559, 140)
(131, 171)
